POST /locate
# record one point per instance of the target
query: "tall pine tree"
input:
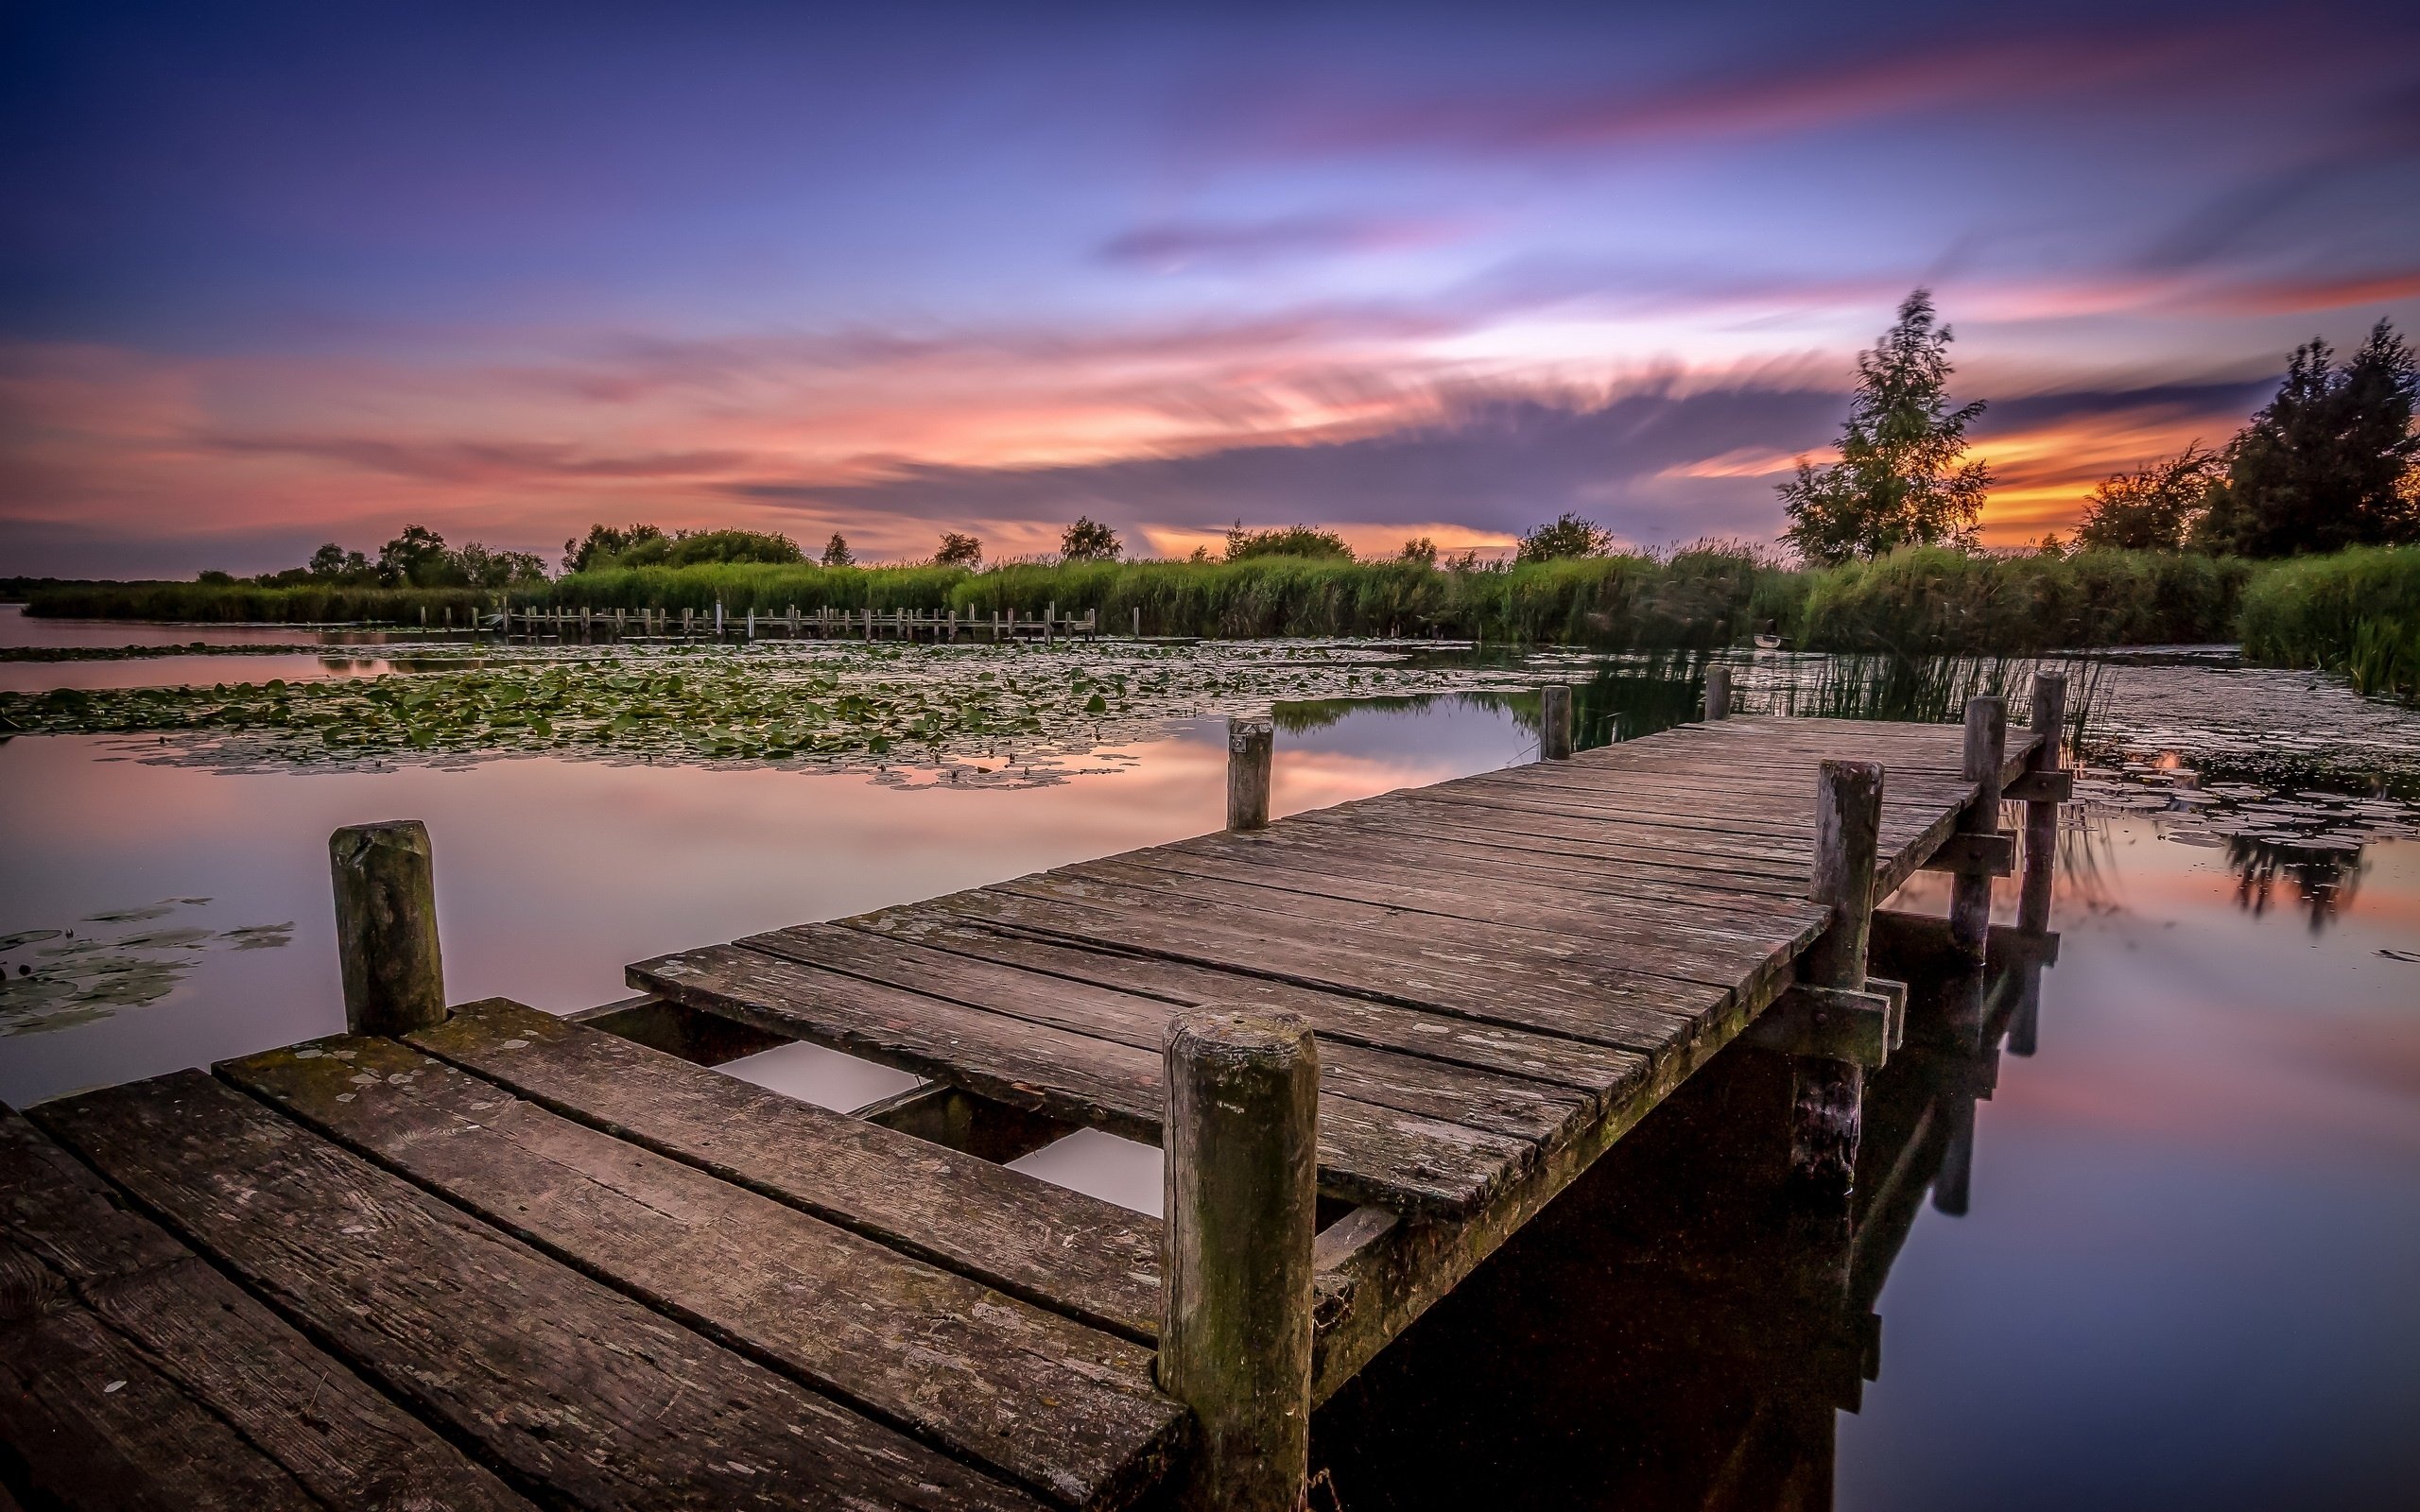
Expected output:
(2328, 465)
(1900, 480)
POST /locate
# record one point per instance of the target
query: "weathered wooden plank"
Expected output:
(1592, 1067)
(1367, 1154)
(1647, 1014)
(1063, 1408)
(1610, 852)
(1457, 967)
(341, 1440)
(1508, 1104)
(1088, 1259)
(599, 1400)
(1665, 951)
(90, 1421)
(1433, 854)
(1410, 891)
(1486, 886)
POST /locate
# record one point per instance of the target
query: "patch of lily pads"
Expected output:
(57, 978)
(835, 703)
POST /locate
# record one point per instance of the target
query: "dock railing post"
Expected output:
(1242, 1198)
(2042, 814)
(1970, 893)
(1828, 1096)
(1251, 750)
(1554, 726)
(1718, 692)
(386, 894)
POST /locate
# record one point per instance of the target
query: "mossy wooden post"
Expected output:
(1828, 1096)
(1718, 692)
(1250, 752)
(1138, 621)
(387, 927)
(1242, 1196)
(2042, 814)
(1554, 727)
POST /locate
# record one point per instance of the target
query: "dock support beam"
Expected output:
(387, 927)
(1251, 749)
(1554, 727)
(1718, 692)
(1242, 1197)
(1828, 1096)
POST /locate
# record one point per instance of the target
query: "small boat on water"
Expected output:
(1768, 643)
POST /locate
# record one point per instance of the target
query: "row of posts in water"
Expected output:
(940, 627)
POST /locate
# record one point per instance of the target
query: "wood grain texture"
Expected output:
(600, 1401)
(1061, 1407)
(1367, 1154)
(1517, 1106)
(339, 1438)
(1088, 1259)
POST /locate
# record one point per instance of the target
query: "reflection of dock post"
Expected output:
(1826, 1096)
(386, 891)
(1970, 889)
(1242, 1196)
(1718, 692)
(1251, 746)
(1554, 728)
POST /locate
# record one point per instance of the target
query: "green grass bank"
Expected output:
(2358, 611)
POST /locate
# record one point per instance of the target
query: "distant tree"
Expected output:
(2051, 546)
(1900, 480)
(603, 544)
(1294, 540)
(696, 548)
(215, 578)
(2328, 463)
(958, 551)
(1089, 540)
(332, 563)
(2153, 508)
(1569, 536)
(1419, 549)
(415, 558)
(481, 566)
(1198, 555)
(836, 552)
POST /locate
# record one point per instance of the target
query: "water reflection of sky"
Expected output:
(2184, 1276)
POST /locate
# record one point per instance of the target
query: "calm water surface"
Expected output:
(2183, 1273)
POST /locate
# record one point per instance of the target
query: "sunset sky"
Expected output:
(272, 275)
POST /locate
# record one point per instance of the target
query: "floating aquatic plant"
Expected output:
(834, 702)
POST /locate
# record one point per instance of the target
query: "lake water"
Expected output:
(2182, 1276)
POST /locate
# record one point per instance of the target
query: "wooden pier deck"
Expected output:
(498, 1258)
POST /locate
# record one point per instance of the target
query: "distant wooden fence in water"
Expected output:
(939, 627)
(464, 1254)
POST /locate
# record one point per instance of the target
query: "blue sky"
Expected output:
(270, 275)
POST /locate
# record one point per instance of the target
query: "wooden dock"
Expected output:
(488, 1257)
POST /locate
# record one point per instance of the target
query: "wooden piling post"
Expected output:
(1828, 1096)
(385, 895)
(1554, 726)
(2042, 814)
(1718, 692)
(1250, 747)
(1242, 1197)
(1970, 894)
(1138, 621)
